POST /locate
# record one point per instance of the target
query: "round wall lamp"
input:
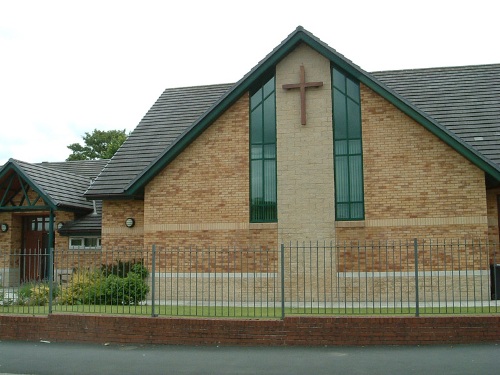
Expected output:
(129, 222)
(4, 227)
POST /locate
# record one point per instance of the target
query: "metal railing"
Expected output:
(371, 278)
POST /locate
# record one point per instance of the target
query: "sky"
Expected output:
(69, 67)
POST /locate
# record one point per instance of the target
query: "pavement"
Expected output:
(70, 358)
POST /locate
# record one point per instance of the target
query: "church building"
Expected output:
(305, 147)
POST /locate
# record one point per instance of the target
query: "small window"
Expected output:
(83, 243)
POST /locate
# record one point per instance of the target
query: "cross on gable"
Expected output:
(302, 86)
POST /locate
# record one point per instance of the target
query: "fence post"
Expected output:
(51, 277)
(282, 281)
(153, 282)
(417, 303)
(51, 259)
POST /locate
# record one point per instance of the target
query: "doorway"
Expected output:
(35, 256)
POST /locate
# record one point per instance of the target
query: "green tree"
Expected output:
(98, 145)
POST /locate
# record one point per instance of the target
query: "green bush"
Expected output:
(128, 290)
(33, 294)
(85, 286)
(121, 283)
(122, 268)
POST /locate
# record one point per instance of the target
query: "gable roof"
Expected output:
(166, 121)
(121, 178)
(59, 189)
(466, 100)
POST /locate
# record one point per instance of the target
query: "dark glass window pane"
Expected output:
(340, 147)
(356, 178)
(257, 180)
(354, 147)
(256, 125)
(354, 119)
(342, 178)
(270, 151)
(353, 90)
(270, 178)
(340, 118)
(342, 211)
(357, 211)
(338, 80)
(256, 99)
(269, 120)
(256, 152)
(76, 242)
(269, 87)
(90, 242)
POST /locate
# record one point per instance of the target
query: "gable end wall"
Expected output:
(415, 184)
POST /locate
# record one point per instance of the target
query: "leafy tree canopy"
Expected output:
(98, 145)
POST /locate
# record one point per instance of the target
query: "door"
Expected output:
(34, 261)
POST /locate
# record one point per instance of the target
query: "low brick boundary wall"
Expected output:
(307, 331)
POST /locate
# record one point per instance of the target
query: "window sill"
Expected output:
(350, 224)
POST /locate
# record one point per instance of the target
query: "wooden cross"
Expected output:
(302, 85)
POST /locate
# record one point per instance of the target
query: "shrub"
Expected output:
(122, 268)
(121, 283)
(35, 294)
(84, 286)
(128, 290)
(140, 270)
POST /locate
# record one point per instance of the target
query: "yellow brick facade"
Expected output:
(493, 201)
(115, 234)
(414, 184)
(202, 197)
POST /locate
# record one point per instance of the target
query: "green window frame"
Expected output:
(348, 148)
(263, 185)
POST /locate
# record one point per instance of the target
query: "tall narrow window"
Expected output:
(349, 196)
(263, 207)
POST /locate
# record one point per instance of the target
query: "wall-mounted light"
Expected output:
(129, 222)
(60, 225)
(4, 227)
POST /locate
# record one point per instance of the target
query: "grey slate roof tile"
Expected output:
(86, 168)
(63, 189)
(465, 100)
(88, 225)
(172, 114)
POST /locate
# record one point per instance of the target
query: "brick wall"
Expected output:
(114, 232)
(202, 197)
(493, 196)
(306, 331)
(415, 185)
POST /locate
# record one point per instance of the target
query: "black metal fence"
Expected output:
(391, 277)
